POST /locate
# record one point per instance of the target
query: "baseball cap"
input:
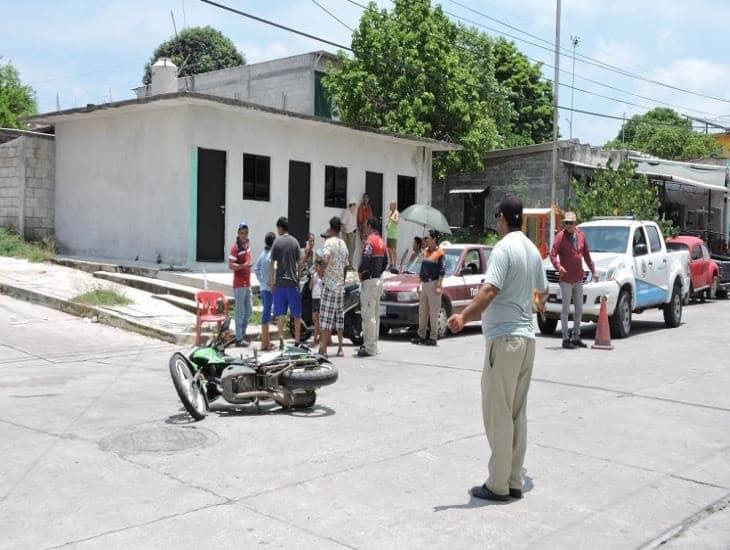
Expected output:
(511, 208)
(242, 225)
(570, 217)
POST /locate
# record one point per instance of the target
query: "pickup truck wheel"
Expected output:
(546, 325)
(620, 321)
(673, 310)
(712, 291)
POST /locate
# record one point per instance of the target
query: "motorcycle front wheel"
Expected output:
(188, 389)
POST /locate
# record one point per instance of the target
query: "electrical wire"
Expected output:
(333, 16)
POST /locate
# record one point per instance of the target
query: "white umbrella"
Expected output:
(427, 216)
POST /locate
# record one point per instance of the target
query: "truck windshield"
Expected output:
(451, 258)
(607, 239)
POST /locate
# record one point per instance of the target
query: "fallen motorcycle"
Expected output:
(289, 377)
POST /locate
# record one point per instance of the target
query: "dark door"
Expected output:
(474, 210)
(299, 173)
(406, 192)
(374, 188)
(211, 205)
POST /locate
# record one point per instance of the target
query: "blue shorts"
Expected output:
(267, 300)
(287, 297)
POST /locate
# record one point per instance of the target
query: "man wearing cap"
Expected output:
(505, 304)
(567, 254)
(239, 261)
(349, 228)
(372, 265)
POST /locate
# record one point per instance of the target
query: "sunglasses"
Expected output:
(569, 223)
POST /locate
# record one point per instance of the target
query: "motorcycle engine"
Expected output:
(237, 379)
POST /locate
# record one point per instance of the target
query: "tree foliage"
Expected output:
(530, 95)
(197, 50)
(415, 71)
(17, 100)
(618, 192)
(664, 133)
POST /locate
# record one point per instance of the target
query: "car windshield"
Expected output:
(606, 239)
(451, 258)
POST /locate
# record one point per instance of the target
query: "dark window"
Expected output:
(256, 171)
(696, 252)
(322, 102)
(406, 192)
(335, 186)
(654, 239)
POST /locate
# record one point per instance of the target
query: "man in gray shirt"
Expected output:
(505, 304)
(284, 279)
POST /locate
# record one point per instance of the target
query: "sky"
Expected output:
(91, 51)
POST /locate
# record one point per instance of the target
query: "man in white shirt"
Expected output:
(505, 304)
(349, 228)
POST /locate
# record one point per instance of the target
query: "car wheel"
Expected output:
(673, 310)
(620, 321)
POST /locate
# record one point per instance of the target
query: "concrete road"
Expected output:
(627, 449)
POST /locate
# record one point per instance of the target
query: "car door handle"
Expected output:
(664, 261)
(482, 280)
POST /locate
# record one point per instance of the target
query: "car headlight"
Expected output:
(411, 296)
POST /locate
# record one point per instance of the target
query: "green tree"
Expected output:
(408, 75)
(197, 50)
(618, 192)
(530, 95)
(17, 101)
(664, 133)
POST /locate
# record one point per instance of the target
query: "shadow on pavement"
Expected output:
(230, 410)
(479, 503)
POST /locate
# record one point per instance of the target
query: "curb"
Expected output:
(81, 310)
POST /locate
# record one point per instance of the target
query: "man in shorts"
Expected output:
(284, 279)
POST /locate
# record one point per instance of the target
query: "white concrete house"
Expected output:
(169, 176)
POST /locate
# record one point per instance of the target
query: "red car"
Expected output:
(704, 272)
(466, 266)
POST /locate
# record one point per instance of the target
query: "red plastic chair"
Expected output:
(207, 310)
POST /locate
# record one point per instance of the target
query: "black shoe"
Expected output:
(241, 343)
(481, 491)
(578, 343)
(515, 493)
(430, 343)
(362, 353)
(417, 340)
(567, 344)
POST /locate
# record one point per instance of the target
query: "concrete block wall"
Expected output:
(27, 181)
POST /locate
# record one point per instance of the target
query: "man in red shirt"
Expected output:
(239, 261)
(372, 265)
(567, 254)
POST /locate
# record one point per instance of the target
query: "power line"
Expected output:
(277, 25)
(493, 94)
(586, 59)
(333, 16)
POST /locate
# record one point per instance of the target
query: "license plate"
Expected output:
(383, 311)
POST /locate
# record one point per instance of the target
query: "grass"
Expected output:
(102, 297)
(13, 245)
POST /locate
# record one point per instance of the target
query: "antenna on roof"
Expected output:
(174, 26)
(185, 18)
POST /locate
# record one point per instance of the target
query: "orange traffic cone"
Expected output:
(603, 332)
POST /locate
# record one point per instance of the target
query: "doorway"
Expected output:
(374, 188)
(211, 218)
(298, 213)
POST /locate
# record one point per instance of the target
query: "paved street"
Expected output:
(627, 449)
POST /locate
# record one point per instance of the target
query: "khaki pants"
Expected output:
(349, 239)
(505, 382)
(370, 312)
(428, 310)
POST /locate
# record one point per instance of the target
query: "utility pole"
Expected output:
(556, 87)
(575, 40)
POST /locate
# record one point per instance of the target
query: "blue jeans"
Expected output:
(243, 310)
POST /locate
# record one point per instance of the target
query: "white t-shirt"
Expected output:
(515, 268)
(316, 286)
(334, 274)
(349, 221)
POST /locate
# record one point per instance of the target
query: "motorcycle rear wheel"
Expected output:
(309, 378)
(188, 389)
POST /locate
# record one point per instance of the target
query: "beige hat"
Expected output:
(351, 202)
(570, 217)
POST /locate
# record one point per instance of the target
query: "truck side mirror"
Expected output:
(640, 249)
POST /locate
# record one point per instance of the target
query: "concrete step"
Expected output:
(151, 285)
(92, 266)
(189, 305)
(198, 281)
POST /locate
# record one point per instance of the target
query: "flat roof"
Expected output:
(193, 98)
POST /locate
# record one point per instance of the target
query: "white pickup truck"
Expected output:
(635, 272)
